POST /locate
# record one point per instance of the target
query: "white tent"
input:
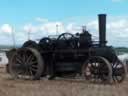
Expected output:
(3, 58)
(124, 59)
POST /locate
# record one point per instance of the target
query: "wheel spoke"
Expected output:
(118, 71)
(96, 67)
(24, 58)
(18, 58)
(30, 58)
(26, 64)
(33, 69)
(34, 66)
(33, 62)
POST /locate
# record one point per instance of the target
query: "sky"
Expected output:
(40, 17)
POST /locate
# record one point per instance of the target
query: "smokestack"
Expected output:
(102, 30)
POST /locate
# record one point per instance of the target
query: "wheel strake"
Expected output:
(26, 63)
(97, 69)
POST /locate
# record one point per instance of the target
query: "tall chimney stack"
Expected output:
(102, 30)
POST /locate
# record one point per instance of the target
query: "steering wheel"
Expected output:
(68, 39)
(65, 36)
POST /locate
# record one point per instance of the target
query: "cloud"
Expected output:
(41, 30)
(48, 27)
(53, 27)
(73, 28)
(7, 28)
(30, 28)
(6, 35)
(117, 30)
(92, 27)
(21, 37)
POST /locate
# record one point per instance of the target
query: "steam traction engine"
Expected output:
(68, 55)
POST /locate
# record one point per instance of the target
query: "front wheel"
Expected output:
(97, 69)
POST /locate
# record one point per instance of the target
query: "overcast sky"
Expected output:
(41, 16)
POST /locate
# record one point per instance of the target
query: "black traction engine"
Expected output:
(68, 55)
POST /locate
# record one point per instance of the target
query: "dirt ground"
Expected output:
(44, 87)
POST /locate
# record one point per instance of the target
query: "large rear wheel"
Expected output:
(26, 63)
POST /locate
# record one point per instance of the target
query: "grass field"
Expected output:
(44, 87)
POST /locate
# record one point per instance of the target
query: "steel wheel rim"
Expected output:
(95, 71)
(119, 71)
(24, 64)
